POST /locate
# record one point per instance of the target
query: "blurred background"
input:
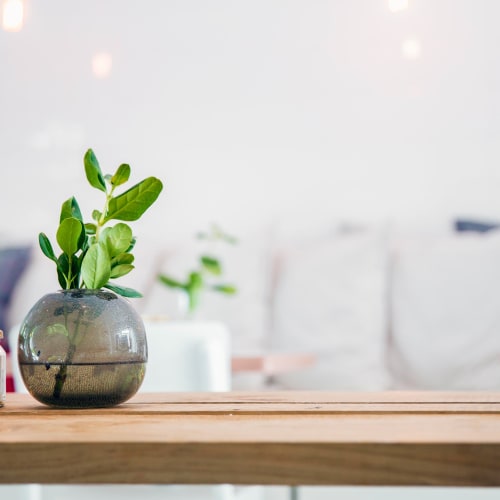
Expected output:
(366, 109)
(285, 123)
(252, 112)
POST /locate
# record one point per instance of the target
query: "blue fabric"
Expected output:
(475, 225)
(13, 261)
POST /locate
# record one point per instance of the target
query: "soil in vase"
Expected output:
(92, 385)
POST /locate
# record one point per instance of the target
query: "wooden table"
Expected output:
(258, 438)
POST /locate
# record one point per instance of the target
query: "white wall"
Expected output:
(253, 109)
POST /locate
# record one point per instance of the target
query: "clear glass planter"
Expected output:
(82, 349)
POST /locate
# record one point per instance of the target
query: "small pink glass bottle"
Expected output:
(3, 372)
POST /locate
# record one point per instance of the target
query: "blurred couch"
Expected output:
(381, 307)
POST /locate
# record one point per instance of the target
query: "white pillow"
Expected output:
(330, 301)
(446, 313)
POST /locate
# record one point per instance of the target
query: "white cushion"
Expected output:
(330, 300)
(446, 312)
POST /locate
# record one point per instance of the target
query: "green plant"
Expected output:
(92, 254)
(198, 279)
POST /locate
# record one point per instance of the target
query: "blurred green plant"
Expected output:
(200, 279)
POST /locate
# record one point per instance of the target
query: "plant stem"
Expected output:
(62, 374)
(102, 218)
(69, 278)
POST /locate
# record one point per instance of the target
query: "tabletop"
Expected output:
(323, 438)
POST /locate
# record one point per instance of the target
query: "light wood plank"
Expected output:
(259, 438)
(284, 403)
(231, 428)
(253, 463)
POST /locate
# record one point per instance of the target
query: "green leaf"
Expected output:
(69, 235)
(211, 264)
(104, 234)
(118, 239)
(57, 329)
(90, 241)
(46, 247)
(170, 282)
(227, 289)
(93, 171)
(123, 291)
(123, 258)
(67, 273)
(62, 270)
(82, 255)
(96, 215)
(195, 280)
(120, 270)
(223, 236)
(69, 209)
(216, 234)
(131, 204)
(132, 244)
(121, 176)
(62, 280)
(229, 239)
(193, 298)
(90, 228)
(96, 266)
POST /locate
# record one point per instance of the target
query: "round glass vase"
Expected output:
(82, 349)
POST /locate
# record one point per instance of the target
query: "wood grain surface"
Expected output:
(392, 438)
